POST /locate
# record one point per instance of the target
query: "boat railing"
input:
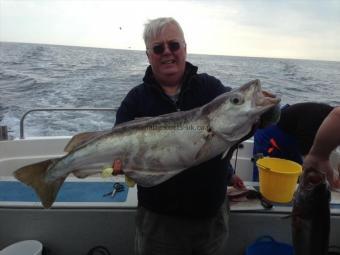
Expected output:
(22, 130)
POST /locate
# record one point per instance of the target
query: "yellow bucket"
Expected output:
(278, 178)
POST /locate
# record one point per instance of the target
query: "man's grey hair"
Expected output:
(154, 26)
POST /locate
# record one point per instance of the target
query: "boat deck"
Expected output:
(73, 193)
(84, 218)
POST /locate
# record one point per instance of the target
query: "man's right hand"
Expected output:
(117, 167)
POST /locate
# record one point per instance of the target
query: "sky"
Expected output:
(303, 29)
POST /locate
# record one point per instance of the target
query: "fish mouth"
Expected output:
(260, 98)
(263, 98)
(312, 177)
(267, 105)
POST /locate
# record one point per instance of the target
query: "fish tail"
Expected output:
(34, 175)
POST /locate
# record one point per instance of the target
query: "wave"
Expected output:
(46, 76)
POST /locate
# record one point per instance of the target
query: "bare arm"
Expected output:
(326, 140)
(328, 135)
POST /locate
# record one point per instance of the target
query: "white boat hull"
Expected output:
(70, 228)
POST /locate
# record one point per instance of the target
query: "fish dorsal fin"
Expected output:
(82, 138)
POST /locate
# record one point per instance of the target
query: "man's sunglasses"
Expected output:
(158, 49)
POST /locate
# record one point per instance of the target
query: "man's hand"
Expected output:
(237, 182)
(323, 165)
(117, 167)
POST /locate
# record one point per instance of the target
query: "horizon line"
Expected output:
(191, 53)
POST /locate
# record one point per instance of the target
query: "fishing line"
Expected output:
(235, 162)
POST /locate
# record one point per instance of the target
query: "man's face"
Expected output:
(167, 54)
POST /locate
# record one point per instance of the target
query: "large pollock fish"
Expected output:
(311, 215)
(152, 150)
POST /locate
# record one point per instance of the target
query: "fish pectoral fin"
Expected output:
(82, 138)
(224, 139)
(204, 150)
(206, 147)
(34, 175)
(221, 136)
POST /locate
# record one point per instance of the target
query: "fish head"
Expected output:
(313, 191)
(242, 110)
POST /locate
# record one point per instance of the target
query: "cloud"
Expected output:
(280, 28)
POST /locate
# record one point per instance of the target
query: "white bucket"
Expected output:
(27, 247)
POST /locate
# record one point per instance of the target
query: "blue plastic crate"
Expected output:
(267, 245)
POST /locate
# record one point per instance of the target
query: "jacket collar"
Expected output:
(190, 70)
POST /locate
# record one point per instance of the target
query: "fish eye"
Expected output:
(237, 99)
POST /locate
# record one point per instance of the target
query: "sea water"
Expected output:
(50, 76)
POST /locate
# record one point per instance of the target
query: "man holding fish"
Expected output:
(187, 214)
(174, 136)
(311, 208)
(326, 140)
